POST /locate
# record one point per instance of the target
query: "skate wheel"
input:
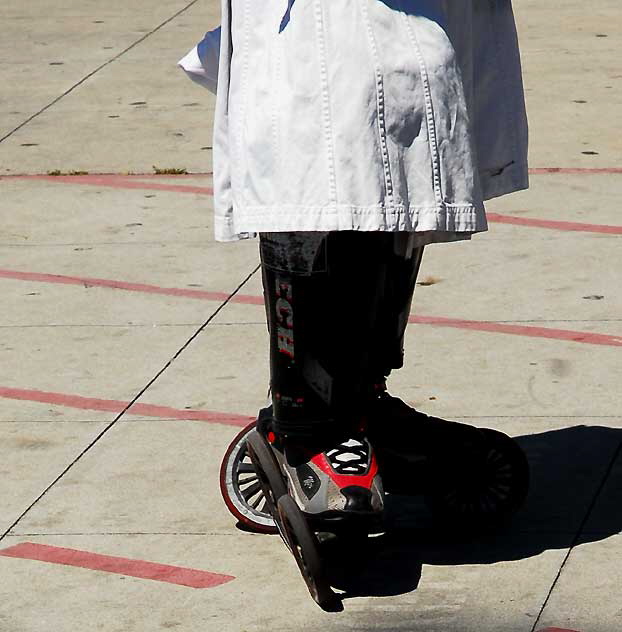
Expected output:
(268, 472)
(482, 486)
(304, 545)
(240, 486)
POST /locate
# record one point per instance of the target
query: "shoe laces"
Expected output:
(350, 457)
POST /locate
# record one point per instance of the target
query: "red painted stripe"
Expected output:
(554, 224)
(520, 330)
(136, 182)
(556, 630)
(120, 565)
(127, 182)
(116, 406)
(131, 287)
(162, 176)
(129, 176)
(575, 171)
(534, 171)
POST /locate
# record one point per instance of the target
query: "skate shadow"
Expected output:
(380, 567)
(574, 498)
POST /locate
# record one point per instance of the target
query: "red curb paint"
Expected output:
(132, 176)
(575, 171)
(534, 171)
(120, 565)
(117, 181)
(151, 410)
(556, 630)
(554, 224)
(474, 325)
(131, 287)
(159, 176)
(127, 182)
(520, 330)
(116, 406)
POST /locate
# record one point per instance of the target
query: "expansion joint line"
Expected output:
(93, 72)
(575, 541)
(130, 404)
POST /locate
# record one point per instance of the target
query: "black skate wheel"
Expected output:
(484, 485)
(304, 545)
(240, 486)
(268, 471)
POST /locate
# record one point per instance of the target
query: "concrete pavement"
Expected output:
(133, 349)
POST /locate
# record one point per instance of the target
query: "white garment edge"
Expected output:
(203, 69)
(461, 223)
(201, 63)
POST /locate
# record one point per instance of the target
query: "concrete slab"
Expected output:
(530, 283)
(202, 266)
(542, 377)
(52, 212)
(33, 455)
(52, 305)
(224, 368)
(86, 361)
(447, 598)
(160, 476)
(24, 410)
(587, 595)
(98, 599)
(75, 43)
(572, 81)
(528, 277)
(102, 125)
(200, 277)
(450, 579)
(585, 197)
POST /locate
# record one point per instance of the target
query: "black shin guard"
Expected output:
(337, 306)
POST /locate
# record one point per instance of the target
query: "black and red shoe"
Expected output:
(341, 482)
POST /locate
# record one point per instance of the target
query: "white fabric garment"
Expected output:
(376, 115)
(201, 63)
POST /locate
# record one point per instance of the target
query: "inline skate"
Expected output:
(319, 462)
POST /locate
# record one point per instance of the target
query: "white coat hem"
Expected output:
(283, 218)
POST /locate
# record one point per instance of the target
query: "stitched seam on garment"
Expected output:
(380, 102)
(441, 221)
(244, 84)
(221, 101)
(443, 209)
(276, 95)
(389, 221)
(326, 118)
(429, 109)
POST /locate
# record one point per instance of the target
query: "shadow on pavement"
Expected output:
(567, 505)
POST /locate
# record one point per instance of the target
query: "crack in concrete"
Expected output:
(580, 531)
(100, 67)
(130, 404)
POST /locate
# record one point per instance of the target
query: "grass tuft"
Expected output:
(58, 172)
(169, 171)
